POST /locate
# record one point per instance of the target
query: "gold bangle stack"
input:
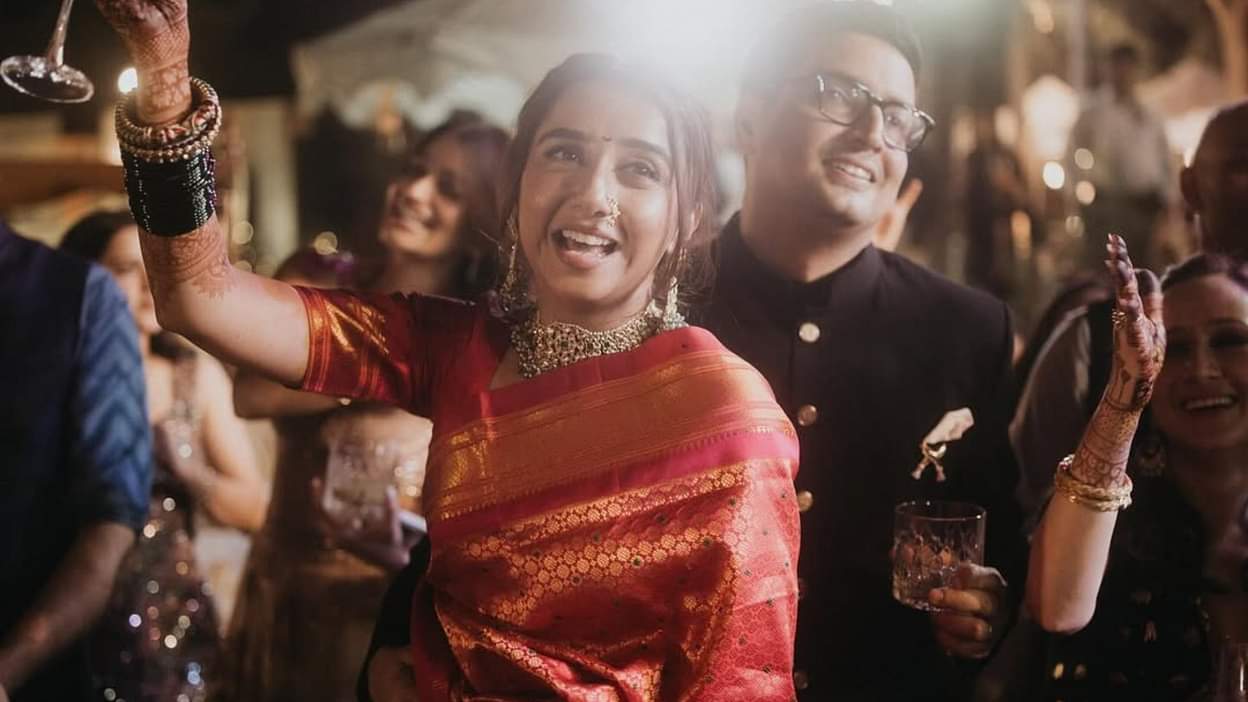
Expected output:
(1093, 497)
(180, 141)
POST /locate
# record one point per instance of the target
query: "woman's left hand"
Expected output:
(1139, 334)
(974, 612)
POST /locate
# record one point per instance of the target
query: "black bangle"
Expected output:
(171, 199)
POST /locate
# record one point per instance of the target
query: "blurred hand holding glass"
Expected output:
(931, 539)
(1230, 677)
(360, 470)
(47, 76)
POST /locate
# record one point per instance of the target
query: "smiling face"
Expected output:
(795, 157)
(123, 258)
(1201, 398)
(425, 209)
(597, 204)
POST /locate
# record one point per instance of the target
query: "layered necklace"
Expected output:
(545, 346)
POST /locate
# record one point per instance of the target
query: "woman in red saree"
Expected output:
(609, 491)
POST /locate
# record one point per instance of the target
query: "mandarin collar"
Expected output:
(850, 285)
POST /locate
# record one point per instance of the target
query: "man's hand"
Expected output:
(974, 615)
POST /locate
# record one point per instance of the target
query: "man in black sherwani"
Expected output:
(866, 351)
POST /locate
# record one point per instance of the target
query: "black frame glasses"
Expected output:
(844, 101)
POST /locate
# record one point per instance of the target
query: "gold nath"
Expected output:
(541, 348)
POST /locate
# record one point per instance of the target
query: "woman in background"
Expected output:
(1147, 598)
(315, 578)
(158, 637)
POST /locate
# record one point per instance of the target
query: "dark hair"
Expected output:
(1124, 52)
(89, 236)
(693, 158)
(1224, 118)
(333, 269)
(485, 147)
(774, 57)
(1206, 264)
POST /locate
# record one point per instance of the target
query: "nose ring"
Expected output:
(613, 215)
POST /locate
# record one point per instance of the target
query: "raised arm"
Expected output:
(165, 133)
(1071, 546)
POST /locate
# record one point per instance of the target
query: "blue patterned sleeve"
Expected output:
(112, 444)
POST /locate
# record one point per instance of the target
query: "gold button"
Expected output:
(804, 500)
(807, 415)
(809, 332)
(801, 681)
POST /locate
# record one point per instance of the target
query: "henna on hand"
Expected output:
(139, 21)
(1139, 334)
(164, 94)
(158, 37)
(1139, 352)
(199, 257)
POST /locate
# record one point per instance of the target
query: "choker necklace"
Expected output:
(541, 348)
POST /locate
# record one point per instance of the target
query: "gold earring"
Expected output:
(513, 294)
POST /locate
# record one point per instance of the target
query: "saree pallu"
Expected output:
(621, 529)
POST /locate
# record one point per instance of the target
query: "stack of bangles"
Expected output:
(170, 172)
(1091, 496)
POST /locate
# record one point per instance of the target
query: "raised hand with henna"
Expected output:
(1139, 351)
(158, 37)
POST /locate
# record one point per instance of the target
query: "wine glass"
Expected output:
(47, 76)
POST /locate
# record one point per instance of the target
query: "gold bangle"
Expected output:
(1096, 505)
(1094, 497)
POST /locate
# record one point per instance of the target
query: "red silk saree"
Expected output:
(621, 529)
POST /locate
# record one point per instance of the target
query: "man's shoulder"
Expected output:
(23, 259)
(939, 296)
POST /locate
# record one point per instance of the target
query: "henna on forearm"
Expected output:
(199, 257)
(1101, 459)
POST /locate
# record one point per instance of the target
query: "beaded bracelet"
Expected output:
(171, 198)
(170, 173)
(172, 142)
(207, 109)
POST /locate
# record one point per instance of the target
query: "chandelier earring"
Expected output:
(513, 293)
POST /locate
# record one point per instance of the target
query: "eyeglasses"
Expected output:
(844, 101)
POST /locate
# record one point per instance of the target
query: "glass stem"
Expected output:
(56, 47)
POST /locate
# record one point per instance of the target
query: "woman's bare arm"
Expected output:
(241, 318)
(1071, 548)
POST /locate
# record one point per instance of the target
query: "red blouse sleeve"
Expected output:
(382, 348)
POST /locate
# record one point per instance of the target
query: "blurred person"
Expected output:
(995, 191)
(1131, 160)
(439, 213)
(1071, 368)
(158, 637)
(867, 352)
(77, 462)
(609, 491)
(1144, 599)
